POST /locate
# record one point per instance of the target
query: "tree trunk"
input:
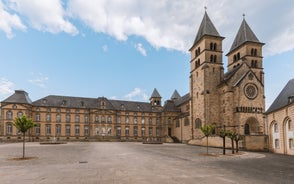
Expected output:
(237, 146)
(23, 145)
(207, 145)
(233, 150)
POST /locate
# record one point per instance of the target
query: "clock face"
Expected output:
(251, 91)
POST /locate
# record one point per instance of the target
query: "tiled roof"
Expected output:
(206, 28)
(283, 98)
(19, 96)
(245, 34)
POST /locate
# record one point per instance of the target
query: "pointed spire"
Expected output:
(245, 34)
(206, 28)
(175, 95)
(155, 94)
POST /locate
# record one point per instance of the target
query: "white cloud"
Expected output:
(141, 49)
(39, 80)
(8, 22)
(136, 94)
(44, 15)
(6, 86)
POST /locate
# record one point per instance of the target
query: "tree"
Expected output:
(232, 135)
(238, 138)
(207, 131)
(23, 124)
(223, 135)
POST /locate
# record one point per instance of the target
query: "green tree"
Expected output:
(232, 135)
(207, 131)
(238, 138)
(23, 124)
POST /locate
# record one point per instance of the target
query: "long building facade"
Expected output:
(233, 99)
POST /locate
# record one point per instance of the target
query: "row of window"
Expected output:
(290, 143)
(104, 131)
(186, 122)
(213, 47)
(9, 114)
(276, 126)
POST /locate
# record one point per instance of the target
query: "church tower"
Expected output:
(246, 48)
(206, 72)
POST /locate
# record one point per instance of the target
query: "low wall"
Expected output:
(250, 142)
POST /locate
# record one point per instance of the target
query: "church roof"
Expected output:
(175, 95)
(182, 99)
(285, 97)
(206, 28)
(155, 94)
(170, 106)
(19, 96)
(245, 34)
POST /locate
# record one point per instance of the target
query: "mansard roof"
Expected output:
(155, 94)
(206, 28)
(98, 103)
(245, 34)
(175, 95)
(285, 97)
(19, 96)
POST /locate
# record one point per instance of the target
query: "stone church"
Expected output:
(233, 99)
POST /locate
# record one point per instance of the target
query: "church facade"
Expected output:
(233, 99)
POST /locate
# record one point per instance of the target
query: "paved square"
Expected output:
(112, 163)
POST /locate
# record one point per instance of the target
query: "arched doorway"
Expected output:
(251, 126)
(288, 136)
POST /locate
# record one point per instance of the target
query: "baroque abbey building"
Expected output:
(234, 99)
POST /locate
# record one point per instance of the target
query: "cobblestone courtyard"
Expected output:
(112, 163)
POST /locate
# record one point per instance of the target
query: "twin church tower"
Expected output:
(235, 98)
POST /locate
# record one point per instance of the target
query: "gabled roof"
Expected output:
(155, 94)
(283, 98)
(245, 34)
(206, 28)
(175, 95)
(19, 96)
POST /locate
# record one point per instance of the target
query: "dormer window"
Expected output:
(82, 103)
(44, 101)
(63, 102)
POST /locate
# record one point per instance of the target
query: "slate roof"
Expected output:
(155, 94)
(132, 106)
(170, 106)
(183, 99)
(283, 98)
(19, 96)
(175, 95)
(206, 28)
(245, 34)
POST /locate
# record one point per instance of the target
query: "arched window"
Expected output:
(214, 58)
(276, 127)
(9, 129)
(215, 46)
(289, 125)
(247, 129)
(198, 123)
(238, 56)
(235, 58)
(9, 115)
(19, 114)
(211, 58)
(211, 46)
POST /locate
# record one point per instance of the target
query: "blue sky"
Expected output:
(123, 49)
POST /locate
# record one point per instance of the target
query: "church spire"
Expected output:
(206, 28)
(245, 34)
